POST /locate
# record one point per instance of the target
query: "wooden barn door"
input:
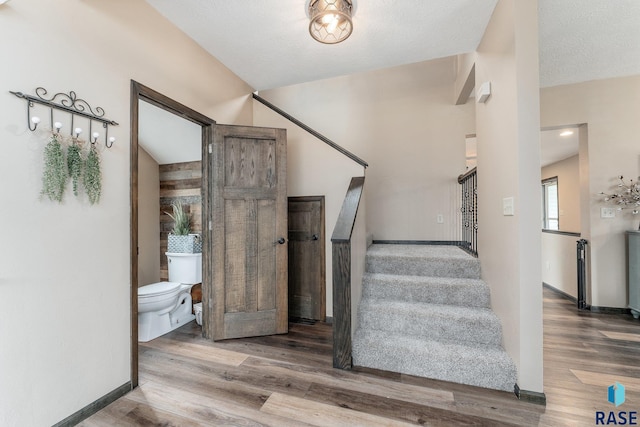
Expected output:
(248, 233)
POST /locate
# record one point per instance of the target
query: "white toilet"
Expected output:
(165, 306)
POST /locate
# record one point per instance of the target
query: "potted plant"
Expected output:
(179, 239)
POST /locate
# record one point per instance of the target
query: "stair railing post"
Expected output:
(582, 274)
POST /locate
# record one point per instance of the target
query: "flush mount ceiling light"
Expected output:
(330, 20)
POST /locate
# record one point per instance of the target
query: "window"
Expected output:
(550, 217)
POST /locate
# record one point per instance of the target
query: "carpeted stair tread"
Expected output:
(483, 366)
(422, 260)
(446, 323)
(433, 290)
(424, 311)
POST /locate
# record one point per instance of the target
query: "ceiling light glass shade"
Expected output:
(330, 20)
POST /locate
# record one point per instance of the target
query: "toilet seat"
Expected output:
(158, 289)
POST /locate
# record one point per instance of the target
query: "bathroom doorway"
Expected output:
(244, 202)
(167, 142)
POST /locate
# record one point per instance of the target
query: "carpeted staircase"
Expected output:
(425, 312)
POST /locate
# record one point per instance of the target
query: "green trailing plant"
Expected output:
(181, 220)
(54, 176)
(74, 163)
(92, 178)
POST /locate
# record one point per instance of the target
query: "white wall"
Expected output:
(148, 222)
(314, 169)
(508, 135)
(65, 275)
(610, 110)
(402, 121)
(559, 264)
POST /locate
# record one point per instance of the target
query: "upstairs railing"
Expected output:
(313, 132)
(344, 275)
(469, 209)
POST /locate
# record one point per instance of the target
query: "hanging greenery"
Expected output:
(74, 163)
(92, 178)
(54, 176)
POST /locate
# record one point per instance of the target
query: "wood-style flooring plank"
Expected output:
(128, 413)
(319, 414)
(198, 351)
(354, 382)
(288, 380)
(204, 409)
(605, 380)
(395, 409)
(622, 336)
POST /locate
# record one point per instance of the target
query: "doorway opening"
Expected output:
(564, 204)
(143, 98)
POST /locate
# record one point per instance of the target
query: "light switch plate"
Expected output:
(507, 206)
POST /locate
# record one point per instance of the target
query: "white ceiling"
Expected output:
(167, 137)
(267, 43)
(554, 147)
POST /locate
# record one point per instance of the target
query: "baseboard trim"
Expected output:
(592, 308)
(329, 320)
(530, 396)
(558, 291)
(94, 407)
(610, 310)
(420, 242)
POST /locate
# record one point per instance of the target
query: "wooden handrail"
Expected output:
(466, 175)
(347, 217)
(341, 250)
(313, 132)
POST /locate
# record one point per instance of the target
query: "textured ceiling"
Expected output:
(583, 40)
(266, 42)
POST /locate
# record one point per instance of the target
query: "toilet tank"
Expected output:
(185, 268)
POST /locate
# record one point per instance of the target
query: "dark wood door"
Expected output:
(307, 283)
(248, 232)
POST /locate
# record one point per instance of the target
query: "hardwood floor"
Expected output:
(288, 380)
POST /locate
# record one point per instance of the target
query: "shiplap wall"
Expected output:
(183, 182)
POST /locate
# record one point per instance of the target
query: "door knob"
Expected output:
(314, 237)
(281, 240)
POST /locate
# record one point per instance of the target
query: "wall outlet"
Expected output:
(440, 219)
(607, 212)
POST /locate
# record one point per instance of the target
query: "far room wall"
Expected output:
(403, 122)
(148, 224)
(609, 108)
(559, 266)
